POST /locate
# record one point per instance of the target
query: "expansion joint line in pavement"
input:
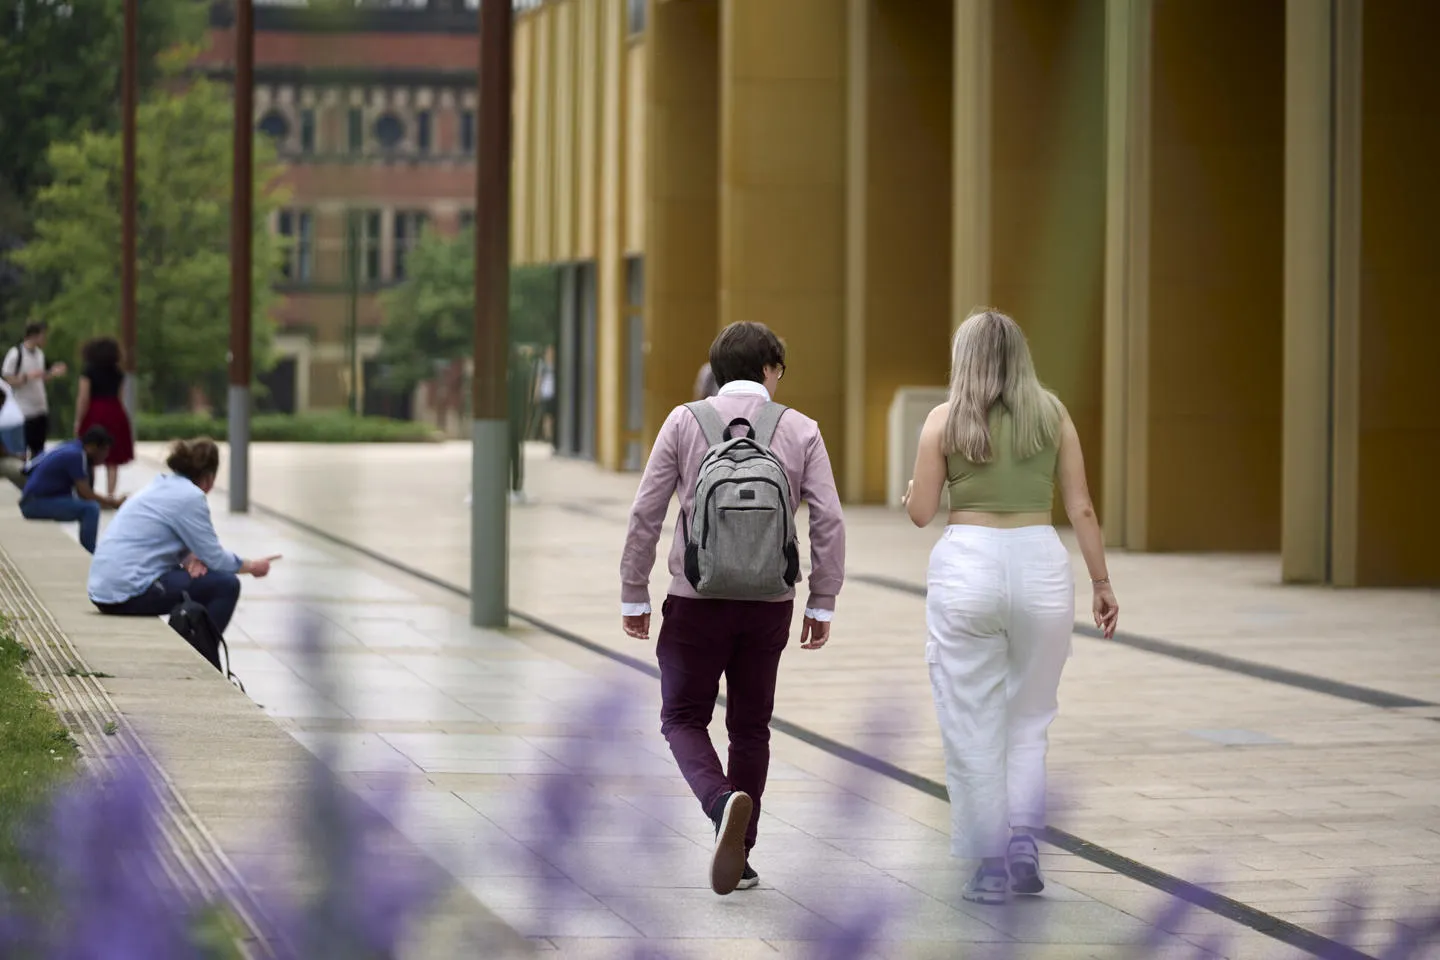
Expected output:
(1227, 907)
(191, 858)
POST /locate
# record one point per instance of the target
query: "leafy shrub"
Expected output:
(283, 428)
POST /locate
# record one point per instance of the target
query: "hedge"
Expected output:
(283, 428)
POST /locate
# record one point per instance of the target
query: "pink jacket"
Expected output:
(673, 467)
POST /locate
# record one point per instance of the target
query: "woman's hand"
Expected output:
(1106, 608)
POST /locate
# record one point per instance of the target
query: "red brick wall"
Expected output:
(431, 51)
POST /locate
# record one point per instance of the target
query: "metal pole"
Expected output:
(490, 426)
(241, 214)
(129, 65)
(352, 306)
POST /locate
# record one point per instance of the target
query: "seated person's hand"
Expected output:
(194, 566)
(260, 568)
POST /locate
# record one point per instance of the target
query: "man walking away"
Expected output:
(58, 487)
(24, 369)
(734, 563)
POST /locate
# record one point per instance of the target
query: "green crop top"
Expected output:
(1005, 484)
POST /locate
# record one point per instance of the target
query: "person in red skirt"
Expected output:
(98, 404)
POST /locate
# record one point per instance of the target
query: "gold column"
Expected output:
(970, 277)
(610, 233)
(681, 201)
(1127, 244)
(783, 190)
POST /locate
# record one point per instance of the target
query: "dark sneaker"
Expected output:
(1024, 862)
(749, 879)
(986, 886)
(732, 818)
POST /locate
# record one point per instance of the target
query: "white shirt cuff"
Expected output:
(821, 616)
(634, 609)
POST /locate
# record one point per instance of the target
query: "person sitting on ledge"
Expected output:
(163, 544)
(57, 485)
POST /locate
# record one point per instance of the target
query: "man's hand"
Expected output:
(112, 503)
(637, 627)
(59, 370)
(194, 566)
(814, 634)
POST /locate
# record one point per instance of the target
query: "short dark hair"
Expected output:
(743, 350)
(102, 353)
(97, 436)
(35, 327)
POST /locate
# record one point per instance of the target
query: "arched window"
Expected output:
(389, 131)
(274, 125)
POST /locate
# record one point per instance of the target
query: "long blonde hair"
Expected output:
(990, 363)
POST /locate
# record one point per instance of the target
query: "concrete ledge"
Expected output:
(236, 769)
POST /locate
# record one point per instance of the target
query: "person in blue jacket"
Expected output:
(163, 544)
(57, 485)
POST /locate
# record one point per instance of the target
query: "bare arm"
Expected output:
(82, 403)
(1078, 507)
(84, 491)
(922, 500)
(12, 373)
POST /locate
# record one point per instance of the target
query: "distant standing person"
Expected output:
(58, 485)
(24, 369)
(98, 404)
(1000, 599)
(545, 394)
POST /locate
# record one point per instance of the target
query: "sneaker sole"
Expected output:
(749, 884)
(986, 898)
(1026, 879)
(727, 865)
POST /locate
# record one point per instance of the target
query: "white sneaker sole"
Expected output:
(727, 865)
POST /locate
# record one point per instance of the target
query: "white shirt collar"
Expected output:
(744, 388)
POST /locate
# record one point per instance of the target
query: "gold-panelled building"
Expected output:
(1213, 218)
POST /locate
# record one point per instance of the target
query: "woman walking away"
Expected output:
(1001, 596)
(98, 404)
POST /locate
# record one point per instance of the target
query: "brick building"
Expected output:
(372, 109)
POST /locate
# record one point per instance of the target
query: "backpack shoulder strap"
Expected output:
(766, 420)
(710, 423)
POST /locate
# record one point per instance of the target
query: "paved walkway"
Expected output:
(1285, 791)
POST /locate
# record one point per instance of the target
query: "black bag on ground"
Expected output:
(192, 621)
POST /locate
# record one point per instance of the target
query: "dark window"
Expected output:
(389, 131)
(409, 225)
(467, 220)
(356, 129)
(467, 131)
(298, 230)
(307, 131)
(362, 245)
(422, 132)
(637, 17)
(275, 126)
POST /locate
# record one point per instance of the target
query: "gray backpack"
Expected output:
(740, 541)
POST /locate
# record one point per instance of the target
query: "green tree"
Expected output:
(431, 316)
(60, 71)
(183, 171)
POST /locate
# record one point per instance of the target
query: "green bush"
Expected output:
(282, 428)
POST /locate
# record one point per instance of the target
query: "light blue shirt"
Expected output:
(150, 534)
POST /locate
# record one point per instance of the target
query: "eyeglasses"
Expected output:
(782, 371)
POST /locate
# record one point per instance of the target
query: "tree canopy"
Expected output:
(431, 316)
(183, 170)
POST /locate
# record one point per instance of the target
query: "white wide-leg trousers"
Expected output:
(1000, 610)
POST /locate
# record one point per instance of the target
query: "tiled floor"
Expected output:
(1284, 798)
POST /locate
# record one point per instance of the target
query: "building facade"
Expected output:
(1211, 219)
(372, 112)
